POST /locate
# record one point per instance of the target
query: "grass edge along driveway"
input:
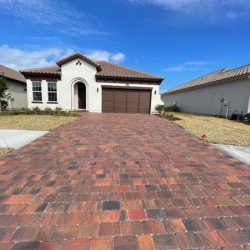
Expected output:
(217, 130)
(33, 122)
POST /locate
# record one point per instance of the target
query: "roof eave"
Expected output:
(39, 74)
(14, 80)
(207, 84)
(136, 79)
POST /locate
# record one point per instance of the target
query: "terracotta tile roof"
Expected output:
(110, 71)
(212, 78)
(52, 70)
(78, 55)
(11, 74)
(106, 71)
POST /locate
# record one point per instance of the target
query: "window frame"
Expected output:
(53, 91)
(35, 89)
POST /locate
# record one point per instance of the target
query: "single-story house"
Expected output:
(79, 83)
(220, 93)
(16, 83)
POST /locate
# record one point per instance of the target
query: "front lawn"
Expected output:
(33, 122)
(217, 130)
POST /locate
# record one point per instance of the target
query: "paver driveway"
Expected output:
(125, 182)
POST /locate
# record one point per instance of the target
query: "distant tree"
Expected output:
(3, 88)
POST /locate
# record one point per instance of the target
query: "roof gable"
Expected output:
(11, 74)
(105, 71)
(75, 56)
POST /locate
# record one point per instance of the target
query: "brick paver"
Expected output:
(113, 181)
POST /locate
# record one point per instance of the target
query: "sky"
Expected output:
(177, 39)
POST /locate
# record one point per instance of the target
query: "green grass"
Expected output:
(217, 130)
(33, 122)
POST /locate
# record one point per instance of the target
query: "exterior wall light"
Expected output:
(155, 92)
(97, 90)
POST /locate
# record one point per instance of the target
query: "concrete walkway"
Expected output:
(18, 138)
(241, 153)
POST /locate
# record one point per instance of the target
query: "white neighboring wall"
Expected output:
(206, 100)
(67, 96)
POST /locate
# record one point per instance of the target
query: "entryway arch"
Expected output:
(79, 95)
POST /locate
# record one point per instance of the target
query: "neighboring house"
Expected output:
(16, 83)
(219, 93)
(79, 83)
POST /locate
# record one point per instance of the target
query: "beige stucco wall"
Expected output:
(206, 100)
(18, 94)
(67, 93)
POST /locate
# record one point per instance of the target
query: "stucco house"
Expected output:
(16, 83)
(79, 83)
(220, 93)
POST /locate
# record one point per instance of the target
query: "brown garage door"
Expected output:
(126, 100)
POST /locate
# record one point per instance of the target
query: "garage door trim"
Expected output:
(125, 87)
(110, 103)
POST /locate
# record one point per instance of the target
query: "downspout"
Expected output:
(248, 110)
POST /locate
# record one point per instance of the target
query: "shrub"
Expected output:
(173, 108)
(171, 117)
(159, 108)
(4, 104)
(37, 111)
(247, 115)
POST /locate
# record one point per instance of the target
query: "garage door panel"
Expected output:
(126, 101)
(120, 109)
(132, 110)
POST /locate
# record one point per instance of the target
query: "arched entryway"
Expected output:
(80, 95)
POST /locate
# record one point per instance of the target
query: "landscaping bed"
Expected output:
(213, 129)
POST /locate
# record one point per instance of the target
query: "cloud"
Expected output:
(57, 15)
(16, 58)
(175, 69)
(229, 8)
(188, 66)
(21, 59)
(197, 63)
(102, 55)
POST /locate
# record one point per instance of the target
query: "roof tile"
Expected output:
(11, 74)
(106, 71)
(217, 76)
(52, 70)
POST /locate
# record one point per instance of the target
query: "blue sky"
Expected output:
(177, 39)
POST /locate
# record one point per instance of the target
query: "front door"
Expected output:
(81, 96)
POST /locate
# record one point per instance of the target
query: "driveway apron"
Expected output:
(119, 181)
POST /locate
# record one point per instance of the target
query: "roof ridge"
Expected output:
(80, 55)
(8, 68)
(195, 79)
(228, 74)
(10, 73)
(45, 67)
(247, 65)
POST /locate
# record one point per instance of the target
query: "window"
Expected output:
(52, 91)
(37, 91)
